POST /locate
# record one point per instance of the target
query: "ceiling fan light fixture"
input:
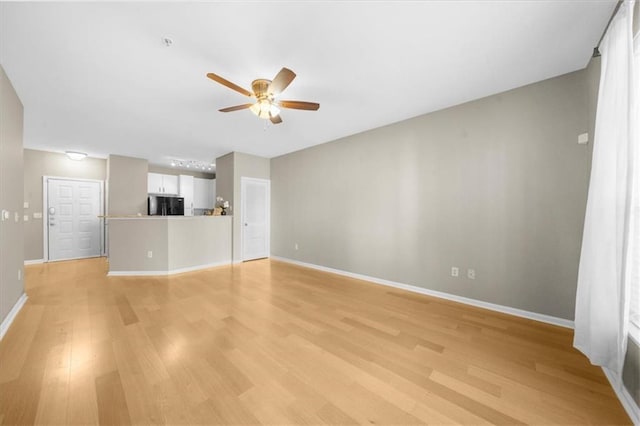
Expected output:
(273, 110)
(264, 108)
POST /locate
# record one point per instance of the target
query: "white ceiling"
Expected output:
(96, 77)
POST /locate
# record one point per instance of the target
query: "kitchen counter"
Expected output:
(164, 245)
(133, 216)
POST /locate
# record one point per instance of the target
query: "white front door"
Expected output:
(74, 228)
(255, 198)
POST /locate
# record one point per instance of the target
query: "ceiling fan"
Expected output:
(265, 93)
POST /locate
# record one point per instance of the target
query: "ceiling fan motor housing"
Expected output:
(260, 87)
(264, 107)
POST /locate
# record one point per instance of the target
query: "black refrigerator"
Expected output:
(165, 206)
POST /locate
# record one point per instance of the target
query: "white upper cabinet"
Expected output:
(162, 184)
(170, 184)
(197, 193)
(154, 183)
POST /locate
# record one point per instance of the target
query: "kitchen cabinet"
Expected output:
(154, 183)
(186, 192)
(162, 184)
(204, 193)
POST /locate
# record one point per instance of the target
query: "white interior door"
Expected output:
(255, 199)
(74, 228)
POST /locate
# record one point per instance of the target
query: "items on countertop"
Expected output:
(221, 207)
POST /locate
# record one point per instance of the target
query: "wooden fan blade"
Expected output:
(311, 106)
(229, 84)
(275, 119)
(235, 108)
(281, 81)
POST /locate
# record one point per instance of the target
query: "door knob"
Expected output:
(246, 224)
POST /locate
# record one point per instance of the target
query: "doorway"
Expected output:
(72, 222)
(255, 196)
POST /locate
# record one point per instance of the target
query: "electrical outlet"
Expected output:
(583, 139)
(26, 205)
(37, 215)
(149, 254)
(471, 274)
(455, 271)
(295, 246)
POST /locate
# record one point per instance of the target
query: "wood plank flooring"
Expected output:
(266, 342)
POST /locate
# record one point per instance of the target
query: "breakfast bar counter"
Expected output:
(164, 245)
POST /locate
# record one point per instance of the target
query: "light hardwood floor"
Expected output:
(271, 343)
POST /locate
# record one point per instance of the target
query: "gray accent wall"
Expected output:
(230, 169)
(175, 243)
(126, 185)
(44, 163)
(498, 185)
(202, 240)
(11, 184)
(224, 178)
(131, 239)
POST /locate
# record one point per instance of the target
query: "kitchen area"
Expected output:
(180, 195)
(180, 231)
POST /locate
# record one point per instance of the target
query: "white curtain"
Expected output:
(604, 277)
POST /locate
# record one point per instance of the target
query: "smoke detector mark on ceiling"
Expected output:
(168, 41)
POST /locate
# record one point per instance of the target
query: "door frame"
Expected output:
(45, 213)
(243, 202)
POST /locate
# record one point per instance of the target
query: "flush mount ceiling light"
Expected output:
(74, 155)
(265, 91)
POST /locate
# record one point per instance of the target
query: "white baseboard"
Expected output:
(467, 301)
(170, 272)
(6, 323)
(624, 396)
(33, 261)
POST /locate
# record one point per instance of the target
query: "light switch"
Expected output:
(5, 215)
(26, 204)
(583, 139)
(37, 215)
